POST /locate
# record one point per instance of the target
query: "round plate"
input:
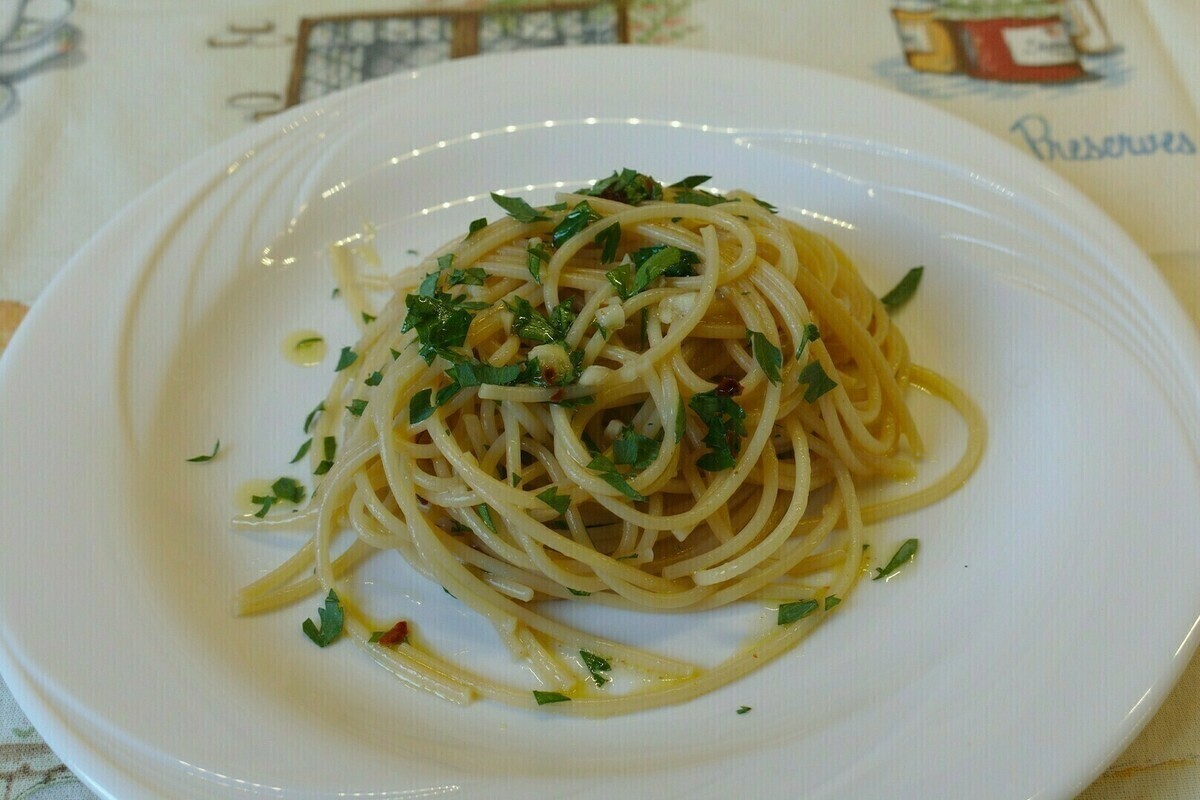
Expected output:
(1047, 616)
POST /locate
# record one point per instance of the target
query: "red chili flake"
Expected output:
(557, 396)
(549, 374)
(397, 635)
(728, 387)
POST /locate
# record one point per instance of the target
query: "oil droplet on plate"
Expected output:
(304, 347)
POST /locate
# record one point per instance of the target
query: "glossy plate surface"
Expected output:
(1049, 613)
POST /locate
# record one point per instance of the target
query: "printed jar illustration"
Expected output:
(1087, 28)
(1013, 40)
(926, 38)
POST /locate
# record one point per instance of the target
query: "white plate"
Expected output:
(1048, 615)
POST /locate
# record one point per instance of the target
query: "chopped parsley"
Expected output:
(441, 322)
(476, 226)
(634, 450)
(477, 373)
(518, 209)
(368, 318)
(818, 382)
(330, 445)
(374, 379)
(744, 709)
(357, 407)
(304, 344)
(608, 240)
(543, 698)
(608, 472)
(595, 666)
(559, 502)
(726, 428)
(575, 221)
(903, 291)
(648, 265)
(207, 456)
(691, 182)
(811, 334)
(831, 601)
(485, 514)
(793, 612)
(347, 358)
(905, 554)
(767, 355)
(579, 592)
(627, 186)
(472, 276)
(680, 421)
(531, 325)
(288, 489)
(300, 453)
(699, 198)
(420, 407)
(331, 616)
(536, 255)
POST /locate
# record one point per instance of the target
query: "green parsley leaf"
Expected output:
(903, 291)
(691, 182)
(579, 592)
(791, 612)
(374, 379)
(699, 198)
(304, 344)
(288, 489)
(206, 456)
(906, 553)
(445, 261)
(648, 265)
(543, 698)
(477, 373)
(818, 382)
(332, 618)
(575, 221)
(810, 334)
(476, 226)
(680, 421)
(743, 709)
(635, 450)
(767, 206)
(429, 286)
(357, 407)
(529, 323)
(559, 502)
(347, 358)
(473, 276)
(441, 323)
(767, 355)
(536, 255)
(446, 394)
(265, 501)
(608, 472)
(726, 429)
(831, 601)
(420, 407)
(608, 240)
(312, 416)
(576, 402)
(485, 514)
(518, 209)
(368, 318)
(300, 453)
(627, 186)
(596, 665)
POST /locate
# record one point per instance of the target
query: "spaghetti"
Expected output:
(654, 398)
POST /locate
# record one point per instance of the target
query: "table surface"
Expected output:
(111, 95)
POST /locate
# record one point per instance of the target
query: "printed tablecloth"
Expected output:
(99, 99)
